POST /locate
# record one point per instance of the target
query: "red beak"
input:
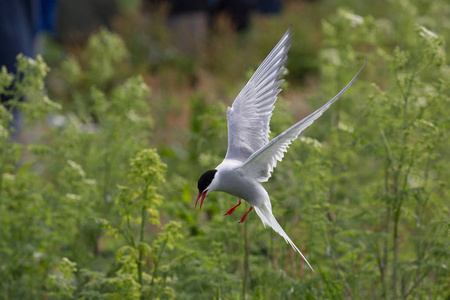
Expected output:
(203, 195)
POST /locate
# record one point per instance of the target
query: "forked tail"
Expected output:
(267, 218)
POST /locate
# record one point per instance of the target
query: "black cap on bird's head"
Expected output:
(203, 183)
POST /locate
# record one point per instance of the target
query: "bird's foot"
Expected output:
(245, 215)
(231, 210)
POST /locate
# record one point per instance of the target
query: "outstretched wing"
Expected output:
(261, 163)
(249, 116)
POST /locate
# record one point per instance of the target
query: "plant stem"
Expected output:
(395, 250)
(155, 269)
(387, 174)
(141, 237)
(129, 232)
(385, 251)
(399, 194)
(415, 284)
(246, 265)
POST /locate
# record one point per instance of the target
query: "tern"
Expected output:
(251, 157)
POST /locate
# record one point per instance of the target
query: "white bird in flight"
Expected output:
(250, 157)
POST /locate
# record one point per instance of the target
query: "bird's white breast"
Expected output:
(229, 181)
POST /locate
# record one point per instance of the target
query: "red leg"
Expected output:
(231, 210)
(245, 215)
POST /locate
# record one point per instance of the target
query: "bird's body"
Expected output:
(239, 185)
(251, 157)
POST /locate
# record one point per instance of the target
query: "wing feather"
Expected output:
(249, 116)
(262, 162)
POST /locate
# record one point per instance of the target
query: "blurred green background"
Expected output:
(97, 193)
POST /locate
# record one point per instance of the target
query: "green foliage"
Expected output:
(61, 284)
(25, 216)
(400, 144)
(141, 272)
(86, 213)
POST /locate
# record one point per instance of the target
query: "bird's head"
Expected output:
(204, 185)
